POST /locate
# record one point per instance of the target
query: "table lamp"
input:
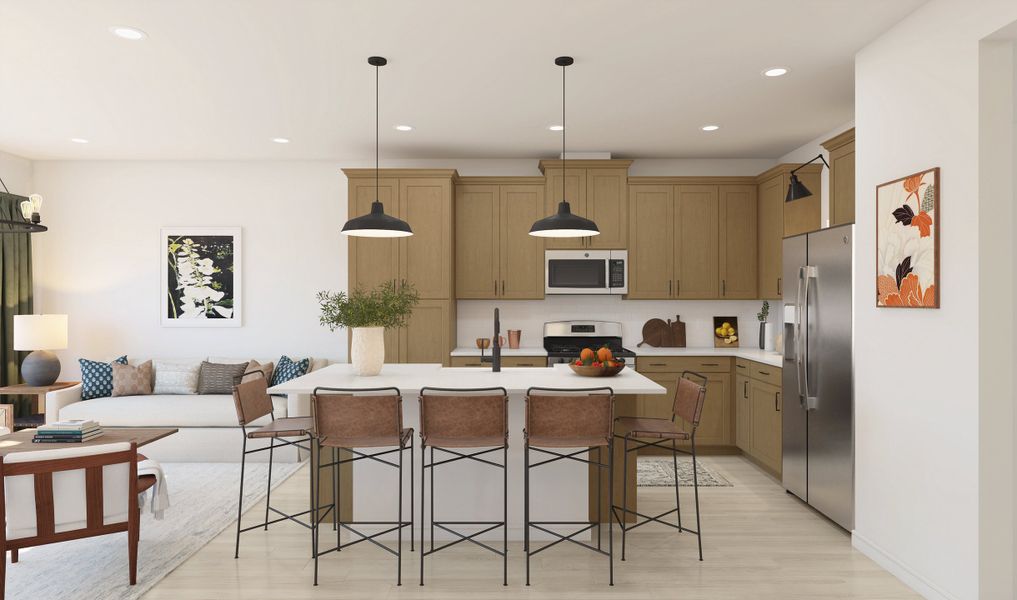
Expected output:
(41, 334)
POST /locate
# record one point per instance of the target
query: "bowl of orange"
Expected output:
(597, 363)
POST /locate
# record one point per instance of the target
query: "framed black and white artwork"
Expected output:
(201, 277)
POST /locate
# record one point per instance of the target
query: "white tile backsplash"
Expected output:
(475, 318)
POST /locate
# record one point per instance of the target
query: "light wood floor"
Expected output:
(758, 543)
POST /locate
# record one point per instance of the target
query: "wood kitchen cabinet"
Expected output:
(778, 219)
(743, 413)
(495, 255)
(765, 434)
(842, 177)
(738, 247)
(696, 250)
(423, 198)
(715, 426)
(506, 361)
(595, 189)
(651, 242)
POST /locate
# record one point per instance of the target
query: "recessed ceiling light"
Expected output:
(776, 71)
(128, 33)
(710, 127)
(281, 140)
(404, 128)
(79, 140)
(556, 128)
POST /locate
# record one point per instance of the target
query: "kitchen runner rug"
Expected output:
(658, 471)
(203, 502)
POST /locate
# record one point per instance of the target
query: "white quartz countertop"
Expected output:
(505, 351)
(767, 357)
(409, 378)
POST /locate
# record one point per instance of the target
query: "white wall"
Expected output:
(807, 152)
(916, 371)
(16, 173)
(99, 263)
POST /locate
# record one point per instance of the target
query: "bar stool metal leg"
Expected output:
(412, 535)
(268, 493)
(625, 493)
(695, 487)
(423, 500)
(677, 484)
(526, 508)
(240, 502)
(399, 547)
(610, 493)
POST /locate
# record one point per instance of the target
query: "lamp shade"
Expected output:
(796, 190)
(564, 224)
(377, 224)
(40, 332)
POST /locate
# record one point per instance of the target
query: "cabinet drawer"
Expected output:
(766, 374)
(524, 361)
(468, 361)
(677, 364)
(743, 367)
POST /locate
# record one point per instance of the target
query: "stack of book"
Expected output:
(63, 432)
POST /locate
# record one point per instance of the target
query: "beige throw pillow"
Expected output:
(176, 376)
(266, 369)
(131, 380)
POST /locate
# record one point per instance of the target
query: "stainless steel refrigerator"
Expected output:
(818, 414)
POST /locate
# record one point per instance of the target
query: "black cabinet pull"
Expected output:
(764, 372)
(745, 390)
(723, 287)
(711, 364)
(780, 292)
(658, 365)
(776, 402)
(502, 287)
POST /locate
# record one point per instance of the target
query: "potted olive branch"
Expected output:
(762, 315)
(367, 314)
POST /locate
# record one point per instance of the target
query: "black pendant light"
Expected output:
(795, 188)
(30, 221)
(376, 223)
(564, 224)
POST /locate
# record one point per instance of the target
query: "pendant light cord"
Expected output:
(377, 127)
(563, 130)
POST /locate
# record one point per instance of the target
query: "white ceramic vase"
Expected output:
(367, 350)
(769, 340)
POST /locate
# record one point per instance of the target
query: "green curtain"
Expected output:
(16, 295)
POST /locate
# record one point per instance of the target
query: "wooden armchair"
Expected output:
(6, 419)
(57, 495)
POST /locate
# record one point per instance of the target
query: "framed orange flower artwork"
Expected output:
(907, 241)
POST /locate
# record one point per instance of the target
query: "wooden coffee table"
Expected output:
(21, 441)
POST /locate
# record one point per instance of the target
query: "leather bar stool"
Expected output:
(689, 397)
(252, 403)
(557, 419)
(353, 419)
(463, 424)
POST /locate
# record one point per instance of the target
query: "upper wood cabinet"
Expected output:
(694, 241)
(842, 177)
(738, 248)
(778, 219)
(595, 189)
(495, 255)
(373, 261)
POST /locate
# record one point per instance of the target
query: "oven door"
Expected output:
(576, 272)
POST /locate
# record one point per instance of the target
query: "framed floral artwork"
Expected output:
(907, 241)
(201, 276)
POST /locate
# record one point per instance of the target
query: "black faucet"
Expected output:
(495, 358)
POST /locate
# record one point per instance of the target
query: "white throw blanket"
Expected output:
(160, 493)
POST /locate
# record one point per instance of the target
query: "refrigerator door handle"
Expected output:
(809, 274)
(799, 350)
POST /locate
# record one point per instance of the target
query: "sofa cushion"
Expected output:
(218, 378)
(165, 410)
(176, 376)
(130, 380)
(287, 369)
(254, 368)
(97, 377)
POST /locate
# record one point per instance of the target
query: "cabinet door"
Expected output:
(738, 241)
(803, 215)
(524, 361)
(743, 414)
(477, 241)
(696, 250)
(426, 257)
(425, 339)
(715, 426)
(766, 423)
(842, 184)
(651, 241)
(373, 261)
(575, 193)
(771, 237)
(521, 255)
(607, 206)
(660, 406)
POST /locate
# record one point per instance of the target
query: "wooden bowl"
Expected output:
(591, 371)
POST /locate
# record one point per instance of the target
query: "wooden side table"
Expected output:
(39, 391)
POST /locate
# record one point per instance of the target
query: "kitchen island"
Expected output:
(465, 490)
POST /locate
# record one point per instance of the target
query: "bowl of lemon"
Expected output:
(725, 332)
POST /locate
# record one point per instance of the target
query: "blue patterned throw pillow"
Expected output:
(287, 369)
(97, 378)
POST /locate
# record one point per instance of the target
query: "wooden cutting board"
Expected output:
(656, 333)
(677, 332)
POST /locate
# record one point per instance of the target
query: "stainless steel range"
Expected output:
(563, 340)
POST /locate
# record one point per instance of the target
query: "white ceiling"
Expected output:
(217, 79)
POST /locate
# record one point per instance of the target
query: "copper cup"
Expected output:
(514, 335)
(483, 343)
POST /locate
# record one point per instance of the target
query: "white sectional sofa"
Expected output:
(207, 423)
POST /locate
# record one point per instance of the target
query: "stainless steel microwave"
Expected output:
(586, 272)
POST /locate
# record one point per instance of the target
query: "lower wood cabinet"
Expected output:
(743, 413)
(427, 337)
(506, 361)
(759, 403)
(715, 426)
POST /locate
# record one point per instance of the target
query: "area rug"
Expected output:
(658, 471)
(203, 502)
